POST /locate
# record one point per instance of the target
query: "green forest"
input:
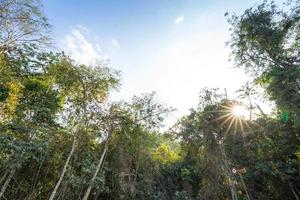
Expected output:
(61, 137)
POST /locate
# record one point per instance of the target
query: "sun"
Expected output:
(234, 115)
(239, 111)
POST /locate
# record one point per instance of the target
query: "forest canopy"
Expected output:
(61, 137)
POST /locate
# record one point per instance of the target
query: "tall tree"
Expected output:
(22, 22)
(86, 89)
(265, 41)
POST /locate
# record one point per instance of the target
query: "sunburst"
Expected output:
(235, 115)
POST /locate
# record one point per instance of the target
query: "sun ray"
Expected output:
(241, 125)
(235, 115)
(230, 124)
(224, 116)
(235, 124)
(224, 122)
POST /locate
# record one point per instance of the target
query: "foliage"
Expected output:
(57, 124)
(22, 22)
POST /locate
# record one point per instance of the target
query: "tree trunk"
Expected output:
(63, 171)
(6, 183)
(245, 188)
(87, 193)
(233, 192)
(293, 191)
(4, 176)
(228, 172)
(251, 108)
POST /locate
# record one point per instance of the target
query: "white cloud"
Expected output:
(115, 43)
(179, 19)
(81, 48)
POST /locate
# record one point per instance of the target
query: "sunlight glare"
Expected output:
(239, 111)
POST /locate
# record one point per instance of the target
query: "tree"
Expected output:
(86, 89)
(22, 22)
(265, 41)
(134, 125)
(28, 107)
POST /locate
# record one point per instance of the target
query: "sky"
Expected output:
(173, 47)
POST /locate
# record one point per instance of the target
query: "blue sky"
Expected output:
(174, 47)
